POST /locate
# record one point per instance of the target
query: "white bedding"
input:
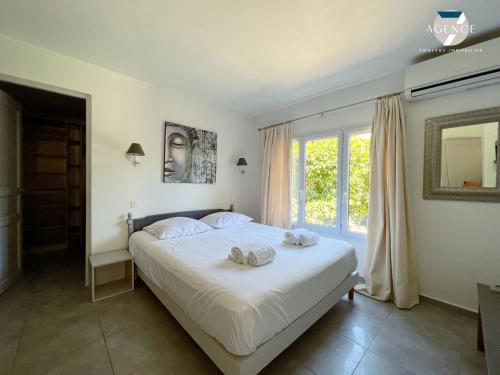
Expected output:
(242, 306)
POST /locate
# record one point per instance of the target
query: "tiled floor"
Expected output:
(48, 326)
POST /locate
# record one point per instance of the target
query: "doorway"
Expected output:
(53, 178)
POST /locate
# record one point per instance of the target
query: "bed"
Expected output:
(241, 316)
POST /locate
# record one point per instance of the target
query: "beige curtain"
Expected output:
(390, 268)
(275, 170)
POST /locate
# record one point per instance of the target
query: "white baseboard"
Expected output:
(455, 306)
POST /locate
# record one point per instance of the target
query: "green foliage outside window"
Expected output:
(359, 181)
(321, 181)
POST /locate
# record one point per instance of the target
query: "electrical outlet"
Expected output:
(134, 204)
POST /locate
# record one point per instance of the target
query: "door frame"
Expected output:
(16, 192)
(88, 150)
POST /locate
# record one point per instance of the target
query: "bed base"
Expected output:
(231, 364)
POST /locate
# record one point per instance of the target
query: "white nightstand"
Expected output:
(112, 274)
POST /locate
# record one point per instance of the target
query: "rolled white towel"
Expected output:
(308, 239)
(261, 256)
(233, 258)
(292, 236)
(239, 253)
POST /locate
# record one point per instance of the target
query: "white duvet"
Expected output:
(242, 306)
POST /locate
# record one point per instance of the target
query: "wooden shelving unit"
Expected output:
(53, 181)
(76, 184)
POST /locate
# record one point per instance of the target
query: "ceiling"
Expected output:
(249, 56)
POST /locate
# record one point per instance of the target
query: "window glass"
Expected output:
(359, 181)
(321, 181)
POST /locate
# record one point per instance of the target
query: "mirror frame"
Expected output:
(432, 158)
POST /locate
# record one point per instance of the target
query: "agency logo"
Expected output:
(451, 27)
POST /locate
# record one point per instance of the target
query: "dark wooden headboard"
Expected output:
(135, 225)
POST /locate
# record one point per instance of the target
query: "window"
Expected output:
(320, 174)
(359, 181)
(330, 181)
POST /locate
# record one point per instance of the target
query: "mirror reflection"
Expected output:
(468, 156)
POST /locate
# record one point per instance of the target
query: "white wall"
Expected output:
(126, 110)
(457, 243)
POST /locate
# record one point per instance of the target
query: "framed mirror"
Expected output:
(462, 156)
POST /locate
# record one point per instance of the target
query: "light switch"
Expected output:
(134, 204)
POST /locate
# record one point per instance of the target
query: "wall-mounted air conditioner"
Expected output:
(454, 72)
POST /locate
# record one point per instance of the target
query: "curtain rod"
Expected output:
(331, 110)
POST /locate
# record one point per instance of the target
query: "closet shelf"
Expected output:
(44, 155)
(38, 172)
(44, 189)
(46, 248)
(52, 227)
(45, 205)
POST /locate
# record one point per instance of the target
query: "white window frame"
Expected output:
(341, 228)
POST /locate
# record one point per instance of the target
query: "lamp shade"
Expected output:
(241, 161)
(135, 149)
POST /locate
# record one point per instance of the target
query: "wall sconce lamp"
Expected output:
(241, 163)
(133, 152)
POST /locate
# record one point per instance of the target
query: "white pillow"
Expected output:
(176, 227)
(223, 219)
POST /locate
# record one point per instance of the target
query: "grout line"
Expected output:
(106, 345)
(357, 365)
(382, 356)
(380, 328)
(30, 309)
(17, 346)
(367, 346)
(120, 330)
(391, 362)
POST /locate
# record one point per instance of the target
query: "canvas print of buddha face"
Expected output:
(190, 155)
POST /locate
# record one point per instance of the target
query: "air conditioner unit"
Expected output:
(454, 72)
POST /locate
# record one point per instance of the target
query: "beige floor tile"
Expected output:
(353, 323)
(7, 355)
(443, 326)
(45, 338)
(133, 348)
(90, 359)
(139, 307)
(11, 329)
(376, 309)
(284, 364)
(473, 362)
(415, 353)
(118, 313)
(447, 330)
(372, 364)
(180, 362)
(15, 303)
(325, 353)
(10, 334)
